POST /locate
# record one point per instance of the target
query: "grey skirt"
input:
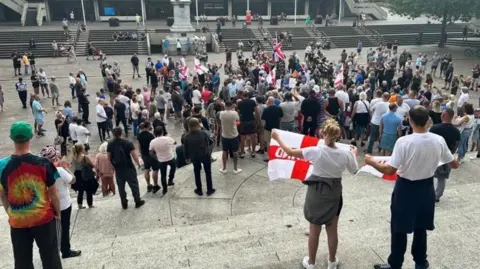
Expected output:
(323, 199)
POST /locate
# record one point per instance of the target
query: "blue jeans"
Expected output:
(135, 126)
(374, 131)
(463, 145)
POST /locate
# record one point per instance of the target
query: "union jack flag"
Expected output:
(277, 51)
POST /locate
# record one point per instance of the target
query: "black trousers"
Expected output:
(102, 130)
(65, 238)
(163, 171)
(72, 88)
(45, 237)
(399, 246)
(85, 112)
(81, 189)
(23, 98)
(310, 127)
(206, 161)
(123, 120)
(127, 176)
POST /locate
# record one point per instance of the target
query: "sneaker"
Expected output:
(165, 190)
(72, 254)
(382, 266)
(307, 265)
(171, 183)
(333, 265)
(149, 188)
(210, 192)
(237, 171)
(125, 204)
(213, 159)
(155, 189)
(139, 204)
(198, 192)
(223, 171)
(260, 151)
(426, 266)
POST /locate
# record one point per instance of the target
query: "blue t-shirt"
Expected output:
(390, 122)
(67, 111)
(158, 66)
(37, 110)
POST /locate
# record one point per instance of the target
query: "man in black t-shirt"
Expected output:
(249, 115)
(272, 115)
(120, 110)
(144, 138)
(452, 137)
(310, 109)
(120, 153)
(134, 60)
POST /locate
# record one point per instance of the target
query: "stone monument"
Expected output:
(181, 17)
(182, 29)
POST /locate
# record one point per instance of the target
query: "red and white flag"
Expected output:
(184, 72)
(277, 50)
(369, 169)
(339, 78)
(271, 76)
(199, 67)
(281, 165)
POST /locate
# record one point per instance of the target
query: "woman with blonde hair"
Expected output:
(104, 169)
(323, 202)
(85, 180)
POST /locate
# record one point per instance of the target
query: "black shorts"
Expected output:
(230, 144)
(340, 205)
(161, 110)
(247, 128)
(149, 163)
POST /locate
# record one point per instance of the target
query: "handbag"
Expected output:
(89, 177)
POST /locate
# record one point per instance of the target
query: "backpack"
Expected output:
(119, 157)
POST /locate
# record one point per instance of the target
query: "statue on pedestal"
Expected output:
(181, 16)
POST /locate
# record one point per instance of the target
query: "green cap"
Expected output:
(21, 131)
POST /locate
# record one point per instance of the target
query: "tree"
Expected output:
(445, 11)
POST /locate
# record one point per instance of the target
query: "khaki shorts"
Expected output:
(267, 135)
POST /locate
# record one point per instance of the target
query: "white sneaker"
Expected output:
(223, 171)
(238, 171)
(306, 265)
(333, 265)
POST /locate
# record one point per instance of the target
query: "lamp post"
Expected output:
(295, 13)
(83, 13)
(196, 8)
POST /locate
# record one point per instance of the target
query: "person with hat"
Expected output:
(21, 173)
(415, 159)
(63, 184)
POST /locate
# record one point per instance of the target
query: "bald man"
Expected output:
(272, 115)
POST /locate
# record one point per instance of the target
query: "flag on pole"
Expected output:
(277, 51)
(339, 78)
(271, 78)
(199, 67)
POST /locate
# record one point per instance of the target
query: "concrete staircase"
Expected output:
(142, 48)
(372, 10)
(81, 43)
(260, 35)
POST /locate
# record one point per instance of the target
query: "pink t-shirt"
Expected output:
(103, 165)
(163, 147)
(146, 98)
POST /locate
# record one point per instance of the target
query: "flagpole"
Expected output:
(196, 8)
(339, 10)
(295, 11)
(83, 12)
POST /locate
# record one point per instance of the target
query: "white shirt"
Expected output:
(82, 134)
(196, 97)
(43, 77)
(378, 109)
(179, 46)
(63, 188)
(100, 111)
(462, 99)
(362, 106)
(418, 155)
(374, 101)
(343, 96)
(163, 147)
(135, 108)
(123, 99)
(72, 80)
(72, 129)
(330, 162)
(402, 110)
(54, 46)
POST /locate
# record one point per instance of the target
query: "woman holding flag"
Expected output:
(323, 202)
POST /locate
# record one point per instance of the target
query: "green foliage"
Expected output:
(444, 10)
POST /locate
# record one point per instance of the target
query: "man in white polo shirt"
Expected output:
(377, 110)
(101, 118)
(415, 159)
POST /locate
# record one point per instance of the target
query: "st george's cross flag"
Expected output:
(339, 78)
(184, 72)
(200, 68)
(281, 165)
(271, 76)
(278, 52)
(369, 169)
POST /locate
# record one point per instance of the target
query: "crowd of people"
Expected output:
(375, 105)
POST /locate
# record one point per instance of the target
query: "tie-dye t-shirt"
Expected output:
(25, 179)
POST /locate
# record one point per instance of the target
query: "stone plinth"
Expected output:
(181, 15)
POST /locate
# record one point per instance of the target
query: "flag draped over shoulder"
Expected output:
(200, 68)
(339, 78)
(278, 52)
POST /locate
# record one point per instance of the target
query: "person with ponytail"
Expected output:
(323, 202)
(79, 160)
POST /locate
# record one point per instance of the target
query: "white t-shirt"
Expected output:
(196, 97)
(135, 108)
(330, 162)
(362, 106)
(378, 110)
(179, 45)
(125, 100)
(72, 129)
(63, 188)
(373, 102)
(100, 111)
(418, 155)
(402, 110)
(72, 80)
(462, 99)
(163, 147)
(82, 134)
(343, 96)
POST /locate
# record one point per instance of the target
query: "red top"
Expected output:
(206, 94)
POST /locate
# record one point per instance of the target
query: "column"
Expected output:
(269, 8)
(230, 8)
(307, 8)
(47, 10)
(144, 11)
(96, 10)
